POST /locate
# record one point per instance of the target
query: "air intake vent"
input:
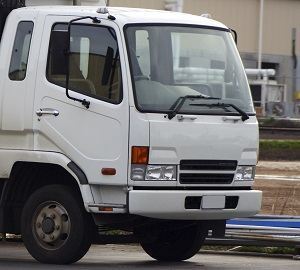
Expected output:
(205, 178)
(208, 165)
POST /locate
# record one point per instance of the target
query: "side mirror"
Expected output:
(84, 102)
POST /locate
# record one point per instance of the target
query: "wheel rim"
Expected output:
(51, 225)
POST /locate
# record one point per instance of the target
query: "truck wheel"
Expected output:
(55, 227)
(176, 245)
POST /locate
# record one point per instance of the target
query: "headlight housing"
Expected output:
(154, 172)
(244, 173)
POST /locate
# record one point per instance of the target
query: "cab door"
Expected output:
(96, 137)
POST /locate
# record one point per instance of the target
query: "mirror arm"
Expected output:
(84, 102)
(235, 35)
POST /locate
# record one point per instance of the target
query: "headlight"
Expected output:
(153, 173)
(138, 172)
(245, 173)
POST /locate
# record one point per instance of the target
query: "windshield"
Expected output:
(168, 62)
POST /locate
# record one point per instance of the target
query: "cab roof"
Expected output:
(127, 15)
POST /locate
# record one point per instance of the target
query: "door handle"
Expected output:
(46, 111)
(182, 117)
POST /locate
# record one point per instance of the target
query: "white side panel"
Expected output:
(17, 97)
(93, 138)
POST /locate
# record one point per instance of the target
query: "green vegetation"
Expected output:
(282, 123)
(268, 250)
(275, 150)
(279, 144)
(256, 249)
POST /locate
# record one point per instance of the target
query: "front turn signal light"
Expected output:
(139, 155)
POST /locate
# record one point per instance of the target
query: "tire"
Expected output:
(55, 227)
(175, 245)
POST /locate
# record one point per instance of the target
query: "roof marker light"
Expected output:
(104, 10)
(206, 15)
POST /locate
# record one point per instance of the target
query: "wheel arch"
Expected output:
(28, 175)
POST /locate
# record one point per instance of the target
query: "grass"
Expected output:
(279, 144)
(256, 249)
(269, 250)
(273, 122)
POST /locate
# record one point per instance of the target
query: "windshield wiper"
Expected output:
(176, 106)
(244, 115)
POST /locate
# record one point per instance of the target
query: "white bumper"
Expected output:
(164, 204)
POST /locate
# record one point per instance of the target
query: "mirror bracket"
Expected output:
(235, 35)
(84, 102)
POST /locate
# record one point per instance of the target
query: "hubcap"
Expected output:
(48, 225)
(51, 225)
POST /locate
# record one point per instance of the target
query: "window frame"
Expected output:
(28, 53)
(137, 106)
(121, 96)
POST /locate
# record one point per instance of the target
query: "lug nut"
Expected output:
(43, 215)
(52, 216)
(42, 235)
(52, 237)
(57, 227)
(39, 225)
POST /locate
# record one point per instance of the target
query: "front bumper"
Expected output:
(171, 204)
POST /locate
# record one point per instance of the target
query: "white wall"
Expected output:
(63, 2)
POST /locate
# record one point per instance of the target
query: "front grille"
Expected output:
(205, 178)
(208, 165)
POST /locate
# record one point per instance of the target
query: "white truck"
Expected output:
(122, 118)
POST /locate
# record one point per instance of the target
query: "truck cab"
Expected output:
(131, 119)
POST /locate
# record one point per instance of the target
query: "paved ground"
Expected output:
(280, 197)
(14, 256)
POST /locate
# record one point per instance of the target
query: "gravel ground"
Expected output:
(279, 167)
(280, 184)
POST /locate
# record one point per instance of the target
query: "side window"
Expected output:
(94, 63)
(20, 53)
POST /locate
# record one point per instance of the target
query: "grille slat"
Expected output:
(205, 178)
(202, 165)
(215, 177)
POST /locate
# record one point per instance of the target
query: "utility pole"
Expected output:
(295, 62)
(260, 33)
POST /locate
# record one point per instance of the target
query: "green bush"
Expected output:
(281, 123)
(279, 150)
(279, 144)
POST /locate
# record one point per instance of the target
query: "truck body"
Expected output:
(130, 119)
